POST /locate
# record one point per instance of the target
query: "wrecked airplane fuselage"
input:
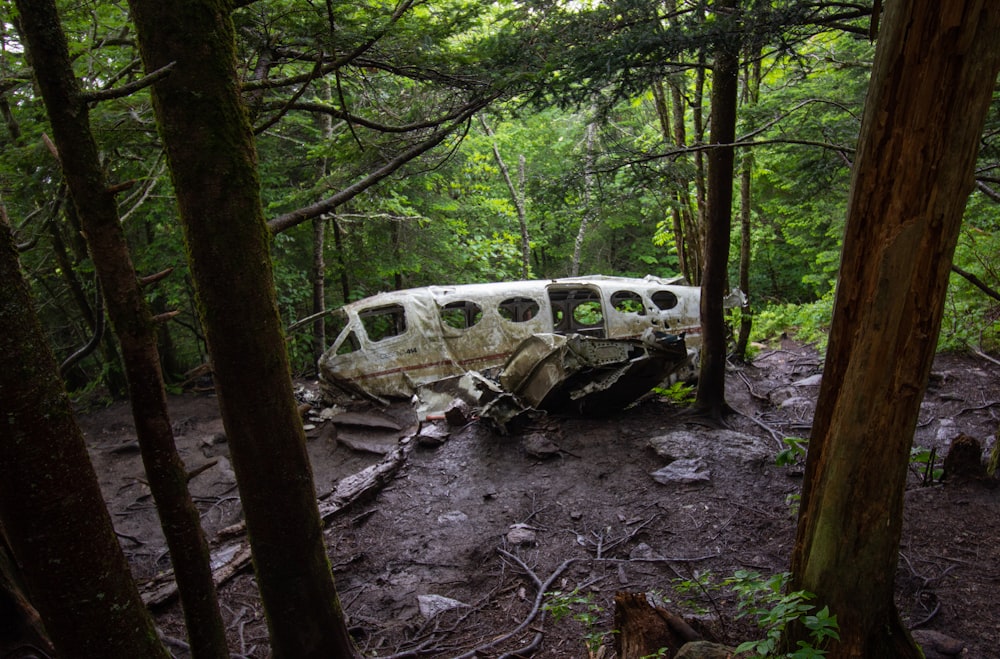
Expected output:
(600, 340)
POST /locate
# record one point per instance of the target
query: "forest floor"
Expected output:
(448, 558)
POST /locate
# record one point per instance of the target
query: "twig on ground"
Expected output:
(774, 433)
(983, 355)
(753, 394)
(543, 587)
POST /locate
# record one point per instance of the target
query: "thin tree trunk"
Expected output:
(516, 197)
(132, 323)
(211, 154)
(935, 69)
(319, 286)
(338, 242)
(588, 198)
(51, 506)
(751, 93)
(689, 217)
(319, 244)
(700, 217)
(711, 396)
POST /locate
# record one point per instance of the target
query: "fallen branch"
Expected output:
(543, 588)
(983, 355)
(230, 558)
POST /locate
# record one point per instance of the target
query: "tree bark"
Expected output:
(132, 322)
(51, 507)
(751, 92)
(935, 69)
(711, 396)
(589, 209)
(516, 197)
(213, 162)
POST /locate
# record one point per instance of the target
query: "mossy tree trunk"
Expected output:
(51, 507)
(133, 325)
(213, 163)
(935, 69)
(711, 396)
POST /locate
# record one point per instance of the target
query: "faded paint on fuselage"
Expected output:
(392, 343)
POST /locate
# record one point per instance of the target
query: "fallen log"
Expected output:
(230, 558)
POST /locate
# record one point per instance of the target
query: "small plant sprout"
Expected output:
(581, 608)
(794, 451)
(924, 463)
(679, 393)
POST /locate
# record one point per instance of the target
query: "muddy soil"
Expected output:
(448, 559)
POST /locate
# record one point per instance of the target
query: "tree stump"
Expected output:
(643, 629)
(964, 460)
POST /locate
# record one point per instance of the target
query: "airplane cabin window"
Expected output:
(628, 302)
(588, 313)
(461, 315)
(518, 309)
(349, 345)
(383, 322)
(664, 300)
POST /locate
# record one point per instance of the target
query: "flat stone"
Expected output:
(704, 650)
(432, 435)
(538, 445)
(367, 443)
(689, 471)
(521, 535)
(935, 644)
(722, 447)
(432, 605)
(452, 516)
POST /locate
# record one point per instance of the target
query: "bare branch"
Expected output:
(988, 191)
(152, 279)
(976, 281)
(127, 89)
(296, 217)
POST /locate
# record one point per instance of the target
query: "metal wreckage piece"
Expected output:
(584, 345)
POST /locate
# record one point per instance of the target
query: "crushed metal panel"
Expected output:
(589, 375)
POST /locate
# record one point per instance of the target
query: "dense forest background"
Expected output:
(454, 141)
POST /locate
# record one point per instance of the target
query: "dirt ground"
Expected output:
(449, 558)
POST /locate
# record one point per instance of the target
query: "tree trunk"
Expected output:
(21, 627)
(516, 197)
(210, 151)
(132, 323)
(319, 243)
(338, 242)
(751, 90)
(711, 397)
(319, 287)
(700, 218)
(588, 199)
(51, 507)
(935, 69)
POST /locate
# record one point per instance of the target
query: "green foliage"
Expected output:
(764, 599)
(924, 463)
(447, 216)
(794, 452)
(807, 322)
(772, 609)
(972, 318)
(581, 608)
(678, 393)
